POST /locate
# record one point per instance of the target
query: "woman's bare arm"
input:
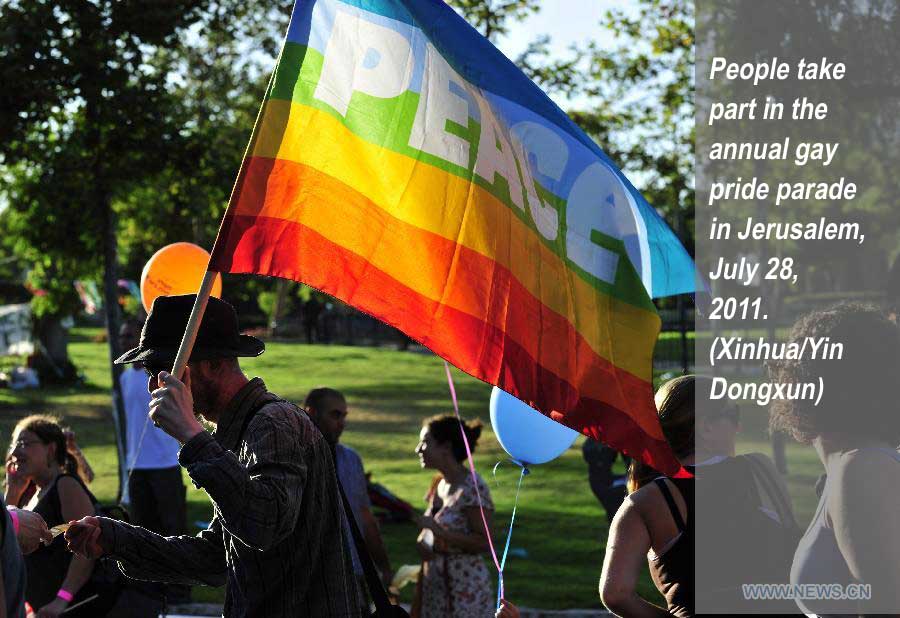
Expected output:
(474, 542)
(75, 504)
(626, 555)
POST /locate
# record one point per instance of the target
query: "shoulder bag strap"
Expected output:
(383, 606)
(774, 492)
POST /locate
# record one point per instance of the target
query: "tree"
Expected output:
(491, 17)
(642, 103)
(88, 119)
(99, 118)
(126, 132)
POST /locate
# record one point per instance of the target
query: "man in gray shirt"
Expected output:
(327, 408)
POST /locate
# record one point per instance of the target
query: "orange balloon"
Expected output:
(176, 269)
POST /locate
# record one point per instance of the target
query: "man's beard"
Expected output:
(203, 392)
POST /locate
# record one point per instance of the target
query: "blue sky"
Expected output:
(566, 22)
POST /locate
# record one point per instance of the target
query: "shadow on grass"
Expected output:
(87, 335)
(51, 392)
(538, 571)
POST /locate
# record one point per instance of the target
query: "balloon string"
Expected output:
(512, 520)
(462, 429)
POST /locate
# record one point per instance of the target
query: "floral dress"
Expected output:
(456, 584)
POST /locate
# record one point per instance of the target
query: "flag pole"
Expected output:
(190, 332)
(193, 324)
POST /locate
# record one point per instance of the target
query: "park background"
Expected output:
(123, 133)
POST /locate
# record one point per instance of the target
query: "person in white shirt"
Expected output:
(155, 486)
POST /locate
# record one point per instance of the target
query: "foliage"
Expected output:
(136, 115)
(266, 301)
(219, 77)
(87, 119)
(861, 118)
(491, 17)
(641, 94)
(128, 121)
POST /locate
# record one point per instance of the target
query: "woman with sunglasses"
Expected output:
(658, 521)
(38, 458)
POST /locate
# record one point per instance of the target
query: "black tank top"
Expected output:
(47, 566)
(673, 571)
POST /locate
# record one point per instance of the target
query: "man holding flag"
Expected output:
(276, 539)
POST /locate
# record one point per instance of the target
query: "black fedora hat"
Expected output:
(217, 337)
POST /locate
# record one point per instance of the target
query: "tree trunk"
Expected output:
(103, 206)
(111, 308)
(52, 347)
(278, 308)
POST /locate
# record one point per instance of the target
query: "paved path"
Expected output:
(195, 610)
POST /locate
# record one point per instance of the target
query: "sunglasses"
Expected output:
(23, 444)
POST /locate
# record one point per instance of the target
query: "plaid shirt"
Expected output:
(276, 538)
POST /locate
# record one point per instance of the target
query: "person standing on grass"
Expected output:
(156, 493)
(854, 537)
(608, 488)
(455, 582)
(276, 540)
(328, 410)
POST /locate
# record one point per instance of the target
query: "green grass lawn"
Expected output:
(559, 523)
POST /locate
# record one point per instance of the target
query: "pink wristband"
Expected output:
(65, 595)
(15, 520)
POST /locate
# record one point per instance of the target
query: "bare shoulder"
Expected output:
(867, 471)
(74, 498)
(629, 517)
(69, 487)
(647, 500)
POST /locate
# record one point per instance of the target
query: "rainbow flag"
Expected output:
(403, 165)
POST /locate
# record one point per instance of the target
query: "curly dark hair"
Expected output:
(859, 398)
